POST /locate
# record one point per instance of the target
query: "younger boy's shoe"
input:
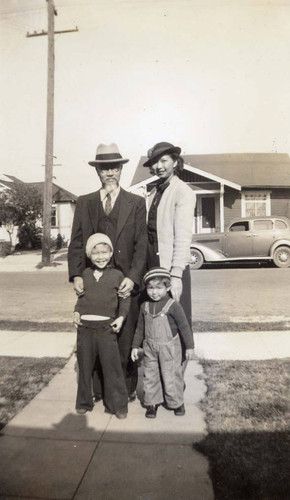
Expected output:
(81, 411)
(180, 411)
(121, 414)
(97, 398)
(151, 411)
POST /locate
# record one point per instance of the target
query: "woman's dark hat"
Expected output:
(106, 155)
(160, 149)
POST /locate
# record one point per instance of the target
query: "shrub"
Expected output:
(5, 248)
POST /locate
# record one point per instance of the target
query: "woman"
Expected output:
(170, 219)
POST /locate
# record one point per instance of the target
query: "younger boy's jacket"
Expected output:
(177, 321)
(101, 297)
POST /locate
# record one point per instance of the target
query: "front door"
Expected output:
(206, 214)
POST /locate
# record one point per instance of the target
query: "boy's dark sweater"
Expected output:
(176, 318)
(101, 297)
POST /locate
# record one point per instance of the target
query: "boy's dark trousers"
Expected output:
(125, 338)
(96, 339)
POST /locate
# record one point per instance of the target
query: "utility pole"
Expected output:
(47, 196)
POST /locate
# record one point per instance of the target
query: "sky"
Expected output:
(211, 76)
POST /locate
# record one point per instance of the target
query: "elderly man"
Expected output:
(122, 216)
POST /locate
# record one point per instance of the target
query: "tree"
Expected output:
(22, 206)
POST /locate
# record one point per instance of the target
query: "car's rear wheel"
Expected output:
(197, 259)
(281, 256)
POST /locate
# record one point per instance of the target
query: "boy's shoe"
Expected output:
(132, 397)
(121, 414)
(151, 411)
(180, 411)
(81, 411)
(97, 398)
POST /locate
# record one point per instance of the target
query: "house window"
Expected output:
(53, 216)
(256, 203)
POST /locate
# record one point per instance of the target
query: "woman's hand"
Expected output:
(77, 319)
(176, 288)
(134, 354)
(189, 354)
(125, 288)
(117, 324)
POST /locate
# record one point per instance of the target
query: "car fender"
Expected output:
(209, 254)
(277, 244)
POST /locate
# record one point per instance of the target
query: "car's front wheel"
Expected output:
(197, 259)
(281, 256)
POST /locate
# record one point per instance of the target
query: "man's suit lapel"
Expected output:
(126, 206)
(93, 207)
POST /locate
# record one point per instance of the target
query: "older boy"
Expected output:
(99, 315)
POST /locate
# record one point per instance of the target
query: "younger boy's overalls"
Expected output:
(163, 378)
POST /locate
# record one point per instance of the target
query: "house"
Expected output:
(229, 185)
(63, 206)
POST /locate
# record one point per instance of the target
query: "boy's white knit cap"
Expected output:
(94, 240)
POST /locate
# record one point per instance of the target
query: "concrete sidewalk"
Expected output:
(28, 262)
(213, 345)
(48, 451)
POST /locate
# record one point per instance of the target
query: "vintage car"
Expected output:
(246, 238)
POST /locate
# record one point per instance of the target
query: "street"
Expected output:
(218, 294)
(241, 294)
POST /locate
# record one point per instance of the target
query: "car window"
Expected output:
(280, 224)
(263, 225)
(240, 226)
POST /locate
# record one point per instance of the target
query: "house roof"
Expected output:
(58, 193)
(243, 169)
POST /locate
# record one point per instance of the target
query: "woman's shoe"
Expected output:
(151, 411)
(180, 411)
(132, 397)
(81, 411)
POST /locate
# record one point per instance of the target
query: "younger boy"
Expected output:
(99, 315)
(161, 323)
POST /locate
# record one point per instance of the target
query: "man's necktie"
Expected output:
(108, 204)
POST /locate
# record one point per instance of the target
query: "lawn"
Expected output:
(247, 413)
(21, 379)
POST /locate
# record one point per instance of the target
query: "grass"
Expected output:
(36, 326)
(247, 413)
(21, 379)
(198, 326)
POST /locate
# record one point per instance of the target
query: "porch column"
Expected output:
(222, 208)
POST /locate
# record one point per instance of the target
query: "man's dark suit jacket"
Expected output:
(130, 252)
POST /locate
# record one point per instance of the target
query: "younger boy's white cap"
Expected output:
(94, 240)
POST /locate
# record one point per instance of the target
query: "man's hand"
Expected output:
(189, 354)
(176, 288)
(79, 285)
(134, 354)
(77, 319)
(117, 324)
(125, 288)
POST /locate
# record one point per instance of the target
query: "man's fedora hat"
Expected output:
(160, 149)
(106, 155)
